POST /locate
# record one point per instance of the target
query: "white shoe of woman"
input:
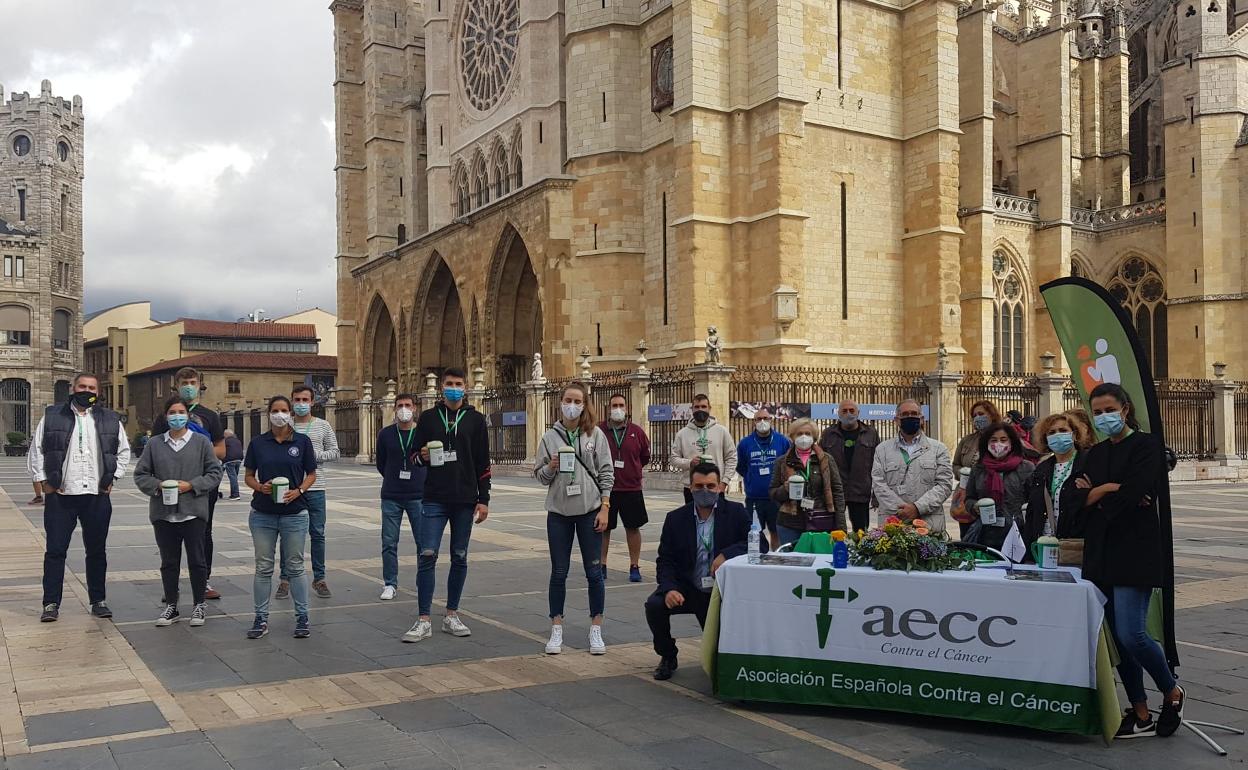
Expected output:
(596, 645)
(555, 645)
(388, 593)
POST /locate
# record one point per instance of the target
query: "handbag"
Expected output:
(1069, 549)
(821, 521)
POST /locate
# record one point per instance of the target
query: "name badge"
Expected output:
(708, 582)
(574, 490)
(449, 457)
(619, 463)
(764, 471)
(808, 504)
(405, 475)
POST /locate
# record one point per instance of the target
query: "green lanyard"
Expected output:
(447, 426)
(573, 438)
(403, 445)
(620, 435)
(709, 540)
(806, 469)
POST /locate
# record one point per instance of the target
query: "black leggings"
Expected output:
(171, 538)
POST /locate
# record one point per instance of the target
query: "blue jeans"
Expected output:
(231, 472)
(788, 535)
(559, 532)
(266, 529)
(315, 500)
(391, 527)
(1128, 615)
(433, 521)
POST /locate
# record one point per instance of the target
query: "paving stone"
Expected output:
(516, 715)
(264, 739)
(698, 752)
(368, 742)
(93, 723)
(196, 756)
(481, 745)
(84, 758)
(157, 742)
(425, 715)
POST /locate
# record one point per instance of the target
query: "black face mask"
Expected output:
(82, 399)
(701, 416)
(911, 425)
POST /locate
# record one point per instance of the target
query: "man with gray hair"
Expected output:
(852, 444)
(912, 475)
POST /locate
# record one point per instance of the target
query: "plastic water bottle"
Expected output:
(756, 532)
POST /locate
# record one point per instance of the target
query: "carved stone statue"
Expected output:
(535, 375)
(942, 358)
(713, 345)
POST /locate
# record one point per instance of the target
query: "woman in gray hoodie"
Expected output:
(577, 503)
(184, 456)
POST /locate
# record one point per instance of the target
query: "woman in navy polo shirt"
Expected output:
(280, 453)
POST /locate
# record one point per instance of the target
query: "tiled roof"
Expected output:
(245, 330)
(271, 362)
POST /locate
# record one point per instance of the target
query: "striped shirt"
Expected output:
(325, 441)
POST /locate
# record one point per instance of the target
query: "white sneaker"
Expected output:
(421, 629)
(168, 616)
(596, 645)
(198, 616)
(388, 593)
(451, 624)
(555, 645)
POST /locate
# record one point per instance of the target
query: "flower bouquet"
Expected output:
(906, 546)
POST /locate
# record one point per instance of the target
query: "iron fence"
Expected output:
(347, 428)
(1007, 391)
(789, 392)
(669, 386)
(1071, 399)
(1241, 421)
(608, 384)
(1187, 414)
(507, 441)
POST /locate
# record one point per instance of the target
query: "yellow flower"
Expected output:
(837, 535)
(883, 544)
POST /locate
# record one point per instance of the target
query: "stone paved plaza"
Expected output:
(82, 693)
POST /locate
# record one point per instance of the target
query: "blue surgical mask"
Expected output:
(453, 394)
(1109, 423)
(189, 392)
(302, 409)
(705, 498)
(1060, 443)
(847, 419)
(176, 421)
(980, 421)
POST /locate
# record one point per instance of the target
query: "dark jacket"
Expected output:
(678, 545)
(633, 449)
(1017, 483)
(233, 449)
(857, 479)
(467, 480)
(1122, 540)
(1069, 504)
(58, 427)
(823, 477)
(391, 461)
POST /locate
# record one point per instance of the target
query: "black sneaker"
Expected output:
(101, 610)
(258, 629)
(301, 627)
(169, 616)
(667, 666)
(1171, 715)
(50, 613)
(1134, 727)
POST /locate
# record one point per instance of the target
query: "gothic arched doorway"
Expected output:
(441, 340)
(516, 310)
(381, 353)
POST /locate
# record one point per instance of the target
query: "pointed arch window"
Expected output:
(1009, 324)
(480, 183)
(1141, 290)
(502, 175)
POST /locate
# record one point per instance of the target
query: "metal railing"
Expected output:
(1241, 421)
(669, 386)
(1005, 391)
(1187, 413)
(347, 428)
(507, 437)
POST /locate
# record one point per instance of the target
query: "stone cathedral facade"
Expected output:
(846, 183)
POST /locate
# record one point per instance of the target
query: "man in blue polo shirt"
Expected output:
(756, 457)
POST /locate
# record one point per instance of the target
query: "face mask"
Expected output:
(453, 395)
(279, 419)
(571, 411)
(701, 415)
(911, 425)
(618, 414)
(980, 421)
(82, 399)
(177, 421)
(1061, 443)
(847, 419)
(804, 442)
(302, 409)
(763, 427)
(999, 449)
(189, 392)
(705, 498)
(1109, 423)
(403, 413)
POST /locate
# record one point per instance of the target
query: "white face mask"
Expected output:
(279, 419)
(403, 413)
(804, 442)
(571, 411)
(763, 426)
(618, 414)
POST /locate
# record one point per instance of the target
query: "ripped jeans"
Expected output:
(559, 532)
(433, 520)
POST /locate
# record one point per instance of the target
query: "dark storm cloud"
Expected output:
(209, 182)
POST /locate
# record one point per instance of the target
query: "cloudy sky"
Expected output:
(209, 143)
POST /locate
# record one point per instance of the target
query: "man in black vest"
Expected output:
(78, 451)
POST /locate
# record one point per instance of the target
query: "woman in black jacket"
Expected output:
(1123, 552)
(1053, 484)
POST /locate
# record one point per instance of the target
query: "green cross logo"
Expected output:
(824, 594)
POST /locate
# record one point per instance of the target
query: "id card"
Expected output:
(708, 583)
(764, 471)
(449, 457)
(808, 503)
(574, 490)
(619, 463)
(405, 475)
